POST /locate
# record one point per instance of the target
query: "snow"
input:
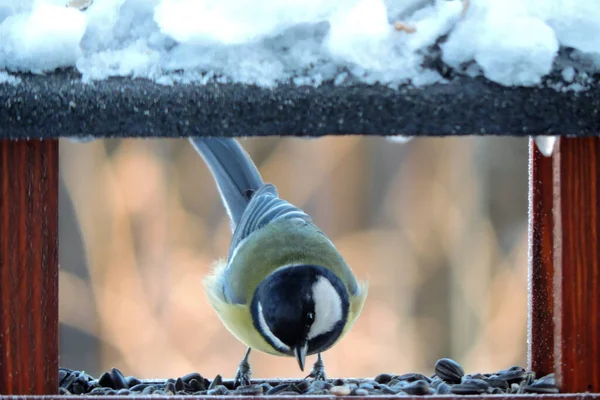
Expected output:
(7, 78)
(41, 40)
(305, 42)
(568, 74)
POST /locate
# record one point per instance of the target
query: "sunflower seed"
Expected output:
(474, 376)
(383, 378)
(435, 382)
(118, 379)
(193, 375)
(359, 392)
(170, 387)
(78, 388)
(302, 386)
(443, 388)
(62, 375)
(105, 380)
(139, 387)
(216, 382)
(513, 374)
(321, 385)
(195, 385)
(497, 383)
(480, 383)
(548, 379)
(472, 386)
(132, 381)
(149, 390)
(340, 390)
(449, 370)
(266, 387)
(251, 390)
(69, 380)
(217, 391)
(390, 390)
(417, 388)
(317, 392)
(542, 388)
(179, 385)
(413, 377)
(282, 387)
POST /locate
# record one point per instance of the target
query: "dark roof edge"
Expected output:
(60, 105)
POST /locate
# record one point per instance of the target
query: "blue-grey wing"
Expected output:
(264, 208)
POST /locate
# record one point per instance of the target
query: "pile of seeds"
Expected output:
(449, 378)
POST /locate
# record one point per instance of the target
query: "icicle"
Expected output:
(545, 144)
(399, 138)
(81, 139)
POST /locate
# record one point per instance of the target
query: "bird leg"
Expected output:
(318, 370)
(408, 28)
(403, 27)
(465, 7)
(242, 376)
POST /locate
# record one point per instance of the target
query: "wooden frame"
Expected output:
(28, 267)
(564, 312)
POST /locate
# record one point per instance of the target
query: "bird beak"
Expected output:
(300, 353)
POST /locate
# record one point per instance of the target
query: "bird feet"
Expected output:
(318, 370)
(244, 372)
(403, 27)
(408, 28)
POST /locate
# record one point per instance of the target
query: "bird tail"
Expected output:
(234, 171)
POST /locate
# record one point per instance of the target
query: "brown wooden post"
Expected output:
(29, 267)
(576, 167)
(541, 226)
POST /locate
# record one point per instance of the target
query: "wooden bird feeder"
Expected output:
(564, 191)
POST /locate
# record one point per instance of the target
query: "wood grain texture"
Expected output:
(541, 264)
(576, 165)
(29, 267)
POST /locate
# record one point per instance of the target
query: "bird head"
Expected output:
(300, 310)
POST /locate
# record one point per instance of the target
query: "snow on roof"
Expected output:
(306, 42)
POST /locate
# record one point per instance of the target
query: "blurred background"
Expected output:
(438, 226)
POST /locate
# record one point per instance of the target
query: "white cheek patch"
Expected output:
(279, 345)
(328, 307)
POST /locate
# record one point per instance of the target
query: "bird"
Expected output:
(284, 289)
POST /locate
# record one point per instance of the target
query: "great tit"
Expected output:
(284, 288)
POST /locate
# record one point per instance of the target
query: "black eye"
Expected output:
(310, 318)
(248, 193)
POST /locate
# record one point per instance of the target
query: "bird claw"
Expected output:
(244, 372)
(403, 27)
(465, 7)
(242, 376)
(409, 28)
(318, 370)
